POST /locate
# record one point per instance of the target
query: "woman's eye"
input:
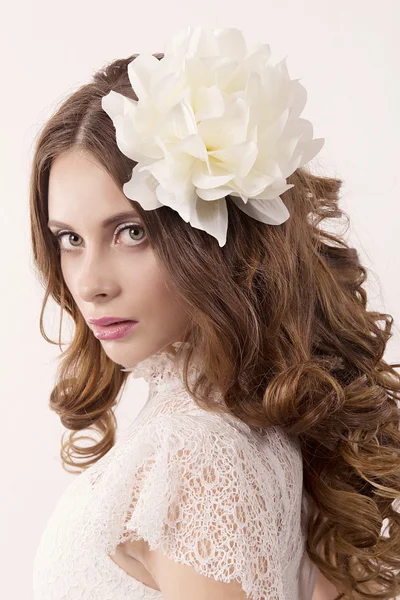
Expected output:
(131, 227)
(135, 227)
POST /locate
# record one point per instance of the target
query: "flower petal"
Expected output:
(229, 129)
(142, 188)
(271, 134)
(202, 179)
(208, 103)
(192, 145)
(178, 123)
(171, 173)
(252, 185)
(197, 74)
(125, 113)
(214, 193)
(178, 44)
(271, 212)
(202, 43)
(116, 106)
(312, 149)
(212, 217)
(258, 58)
(169, 90)
(224, 70)
(298, 99)
(140, 72)
(183, 202)
(231, 43)
(237, 159)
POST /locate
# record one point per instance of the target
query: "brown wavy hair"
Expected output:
(280, 324)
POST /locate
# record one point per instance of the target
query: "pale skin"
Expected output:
(111, 273)
(177, 581)
(117, 274)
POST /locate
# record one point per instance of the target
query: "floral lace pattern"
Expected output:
(207, 490)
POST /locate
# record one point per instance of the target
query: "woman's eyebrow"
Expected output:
(123, 215)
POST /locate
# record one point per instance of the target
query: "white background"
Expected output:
(347, 56)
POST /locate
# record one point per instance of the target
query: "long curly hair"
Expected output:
(280, 325)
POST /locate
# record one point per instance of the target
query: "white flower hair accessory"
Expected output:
(212, 119)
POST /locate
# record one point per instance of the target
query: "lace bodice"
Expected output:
(204, 487)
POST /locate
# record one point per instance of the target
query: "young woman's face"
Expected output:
(110, 270)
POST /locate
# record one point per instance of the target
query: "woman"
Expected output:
(267, 453)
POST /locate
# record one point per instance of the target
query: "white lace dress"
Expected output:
(203, 487)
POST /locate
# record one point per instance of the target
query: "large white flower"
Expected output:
(212, 119)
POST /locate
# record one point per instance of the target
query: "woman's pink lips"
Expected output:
(114, 330)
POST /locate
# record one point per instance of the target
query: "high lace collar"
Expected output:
(159, 368)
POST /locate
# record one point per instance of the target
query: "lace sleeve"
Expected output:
(195, 494)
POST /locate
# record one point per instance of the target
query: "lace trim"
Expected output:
(208, 495)
(158, 368)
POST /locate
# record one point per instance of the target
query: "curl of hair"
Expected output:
(280, 327)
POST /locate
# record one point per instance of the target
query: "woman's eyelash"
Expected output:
(61, 233)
